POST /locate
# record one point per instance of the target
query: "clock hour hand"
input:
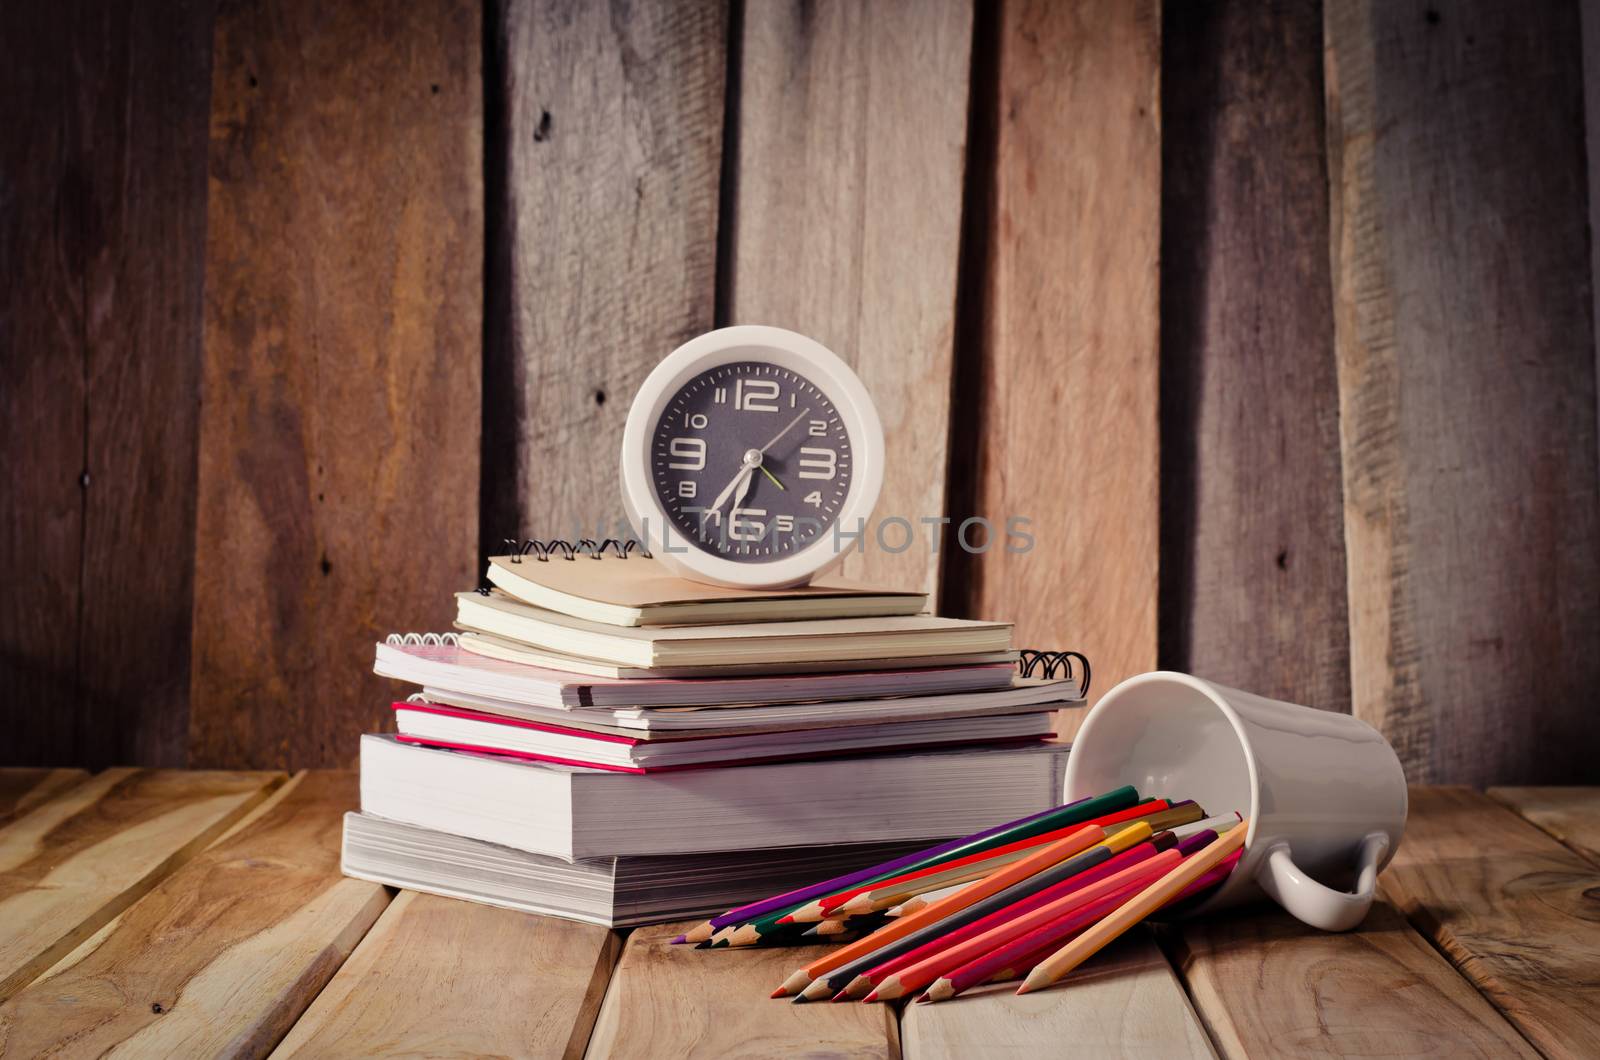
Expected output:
(752, 458)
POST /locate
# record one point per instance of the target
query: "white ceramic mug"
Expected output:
(1324, 792)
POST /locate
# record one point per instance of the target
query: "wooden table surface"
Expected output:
(199, 913)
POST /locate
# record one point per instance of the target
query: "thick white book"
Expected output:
(611, 892)
(572, 813)
(837, 640)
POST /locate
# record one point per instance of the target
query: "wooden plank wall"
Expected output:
(1274, 320)
(1059, 402)
(1252, 520)
(850, 141)
(603, 242)
(340, 428)
(102, 233)
(1466, 383)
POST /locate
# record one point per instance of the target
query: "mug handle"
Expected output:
(1317, 905)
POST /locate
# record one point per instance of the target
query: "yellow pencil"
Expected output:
(1138, 907)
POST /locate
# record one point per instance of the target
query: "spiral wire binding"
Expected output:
(1053, 664)
(543, 550)
(422, 640)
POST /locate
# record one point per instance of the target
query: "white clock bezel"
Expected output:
(731, 345)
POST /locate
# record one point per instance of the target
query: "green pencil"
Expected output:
(1073, 813)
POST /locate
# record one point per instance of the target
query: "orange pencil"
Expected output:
(1081, 839)
(1140, 906)
(822, 908)
(931, 965)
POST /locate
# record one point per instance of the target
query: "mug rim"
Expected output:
(1210, 691)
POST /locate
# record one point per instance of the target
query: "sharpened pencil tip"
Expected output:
(1024, 989)
(870, 997)
(843, 995)
(801, 999)
(923, 1000)
(786, 920)
(780, 992)
(680, 940)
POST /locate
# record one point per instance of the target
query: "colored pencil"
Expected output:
(1049, 942)
(1219, 824)
(1046, 856)
(958, 948)
(751, 911)
(1061, 818)
(871, 897)
(1132, 856)
(1136, 909)
(1174, 816)
(911, 905)
(1004, 888)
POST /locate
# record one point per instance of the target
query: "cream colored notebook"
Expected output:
(636, 590)
(493, 647)
(820, 640)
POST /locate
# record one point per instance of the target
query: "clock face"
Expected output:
(750, 461)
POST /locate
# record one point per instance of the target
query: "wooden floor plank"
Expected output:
(1572, 815)
(440, 977)
(222, 956)
(1517, 912)
(1266, 984)
(1125, 1003)
(83, 857)
(23, 789)
(668, 1001)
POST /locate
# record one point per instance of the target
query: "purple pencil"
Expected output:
(801, 895)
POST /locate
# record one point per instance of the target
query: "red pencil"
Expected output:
(955, 953)
(1018, 957)
(827, 905)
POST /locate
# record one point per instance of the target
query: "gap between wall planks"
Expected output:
(1512, 908)
(1126, 1003)
(103, 238)
(1467, 384)
(220, 957)
(446, 977)
(717, 1003)
(340, 429)
(603, 257)
(1062, 402)
(848, 148)
(1266, 984)
(1253, 581)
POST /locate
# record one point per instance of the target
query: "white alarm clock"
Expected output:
(744, 450)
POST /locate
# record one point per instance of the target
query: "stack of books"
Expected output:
(603, 741)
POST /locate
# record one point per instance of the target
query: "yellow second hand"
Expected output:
(773, 477)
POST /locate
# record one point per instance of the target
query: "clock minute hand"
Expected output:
(785, 431)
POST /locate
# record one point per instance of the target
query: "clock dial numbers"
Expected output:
(731, 451)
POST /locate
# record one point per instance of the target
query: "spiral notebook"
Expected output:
(615, 584)
(443, 661)
(832, 640)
